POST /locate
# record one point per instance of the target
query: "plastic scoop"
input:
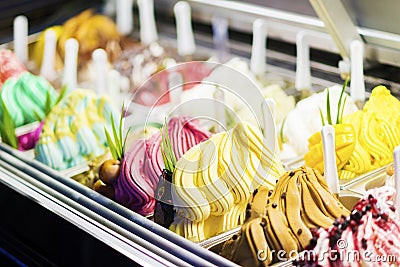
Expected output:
(330, 168)
(124, 16)
(148, 30)
(303, 71)
(21, 38)
(175, 87)
(220, 37)
(397, 178)
(219, 96)
(100, 61)
(71, 64)
(357, 85)
(184, 31)
(49, 56)
(258, 55)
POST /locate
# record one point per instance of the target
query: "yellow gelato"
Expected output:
(214, 180)
(377, 133)
(344, 142)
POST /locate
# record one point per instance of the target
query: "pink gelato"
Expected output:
(10, 65)
(143, 164)
(370, 236)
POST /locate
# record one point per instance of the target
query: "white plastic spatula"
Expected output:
(100, 62)
(184, 31)
(258, 59)
(220, 37)
(21, 38)
(70, 79)
(397, 179)
(124, 16)
(47, 69)
(330, 168)
(303, 71)
(148, 30)
(268, 108)
(175, 87)
(357, 85)
(219, 96)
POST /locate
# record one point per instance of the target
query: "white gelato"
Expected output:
(235, 99)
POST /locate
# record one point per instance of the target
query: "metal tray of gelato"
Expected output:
(215, 244)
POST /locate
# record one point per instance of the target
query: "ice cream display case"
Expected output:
(224, 188)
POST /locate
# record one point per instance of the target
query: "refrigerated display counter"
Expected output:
(49, 219)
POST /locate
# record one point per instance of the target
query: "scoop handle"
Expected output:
(330, 168)
(100, 61)
(184, 31)
(357, 85)
(148, 30)
(303, 71)
(258, 54)
(219, 97)
(175, 88)
(20, 25)
(124, 16)
(47, 69)
(70, 79)
(220, 37)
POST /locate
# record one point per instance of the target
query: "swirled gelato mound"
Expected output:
(10, 66)
(143, 164)
(345, 142)
(368, 237)
(214, 180)
(92, 31)
(376, 134)
(73, 132)
(26, 98)
(282, 221)
(302, 122)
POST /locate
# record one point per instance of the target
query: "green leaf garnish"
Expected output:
(166, 149)
(143, 125)
(126, 137)
(37, 116)
(7, 128)
(111, 145)
(118, 141)
(63, 92)
(340, 105)
(48, 104)
(328, 108)
(322, 117)
(342, 109)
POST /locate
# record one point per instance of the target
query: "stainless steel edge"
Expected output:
(361, 178)
(125, 246)
(125, 223)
